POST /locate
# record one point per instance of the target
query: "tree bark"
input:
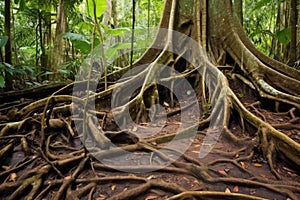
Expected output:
(298, 30)
(248, 137)
(293, 26)
(58, 53)
(42, 45)
(8, 50)
(238, 8)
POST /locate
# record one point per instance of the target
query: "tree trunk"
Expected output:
(8, 51)
(238, 8)
(41, 41)
(293, 26)
(58, 53)
(298, 30)
(234, 85)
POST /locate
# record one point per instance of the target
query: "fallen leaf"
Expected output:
(227, 169)
(252, 191)
(56, 123)
(113, 187)
(151, 197)
(263, 175)
(292, 174)
(67, 177)
(222, 172)
(5, 167)
(101, 197)
(236, 189)
(150, 177)
(134, 129)
(177, 123)
(227, 190)
(154, 143)
(243, 165)
(257, 165)
(288, 169)
(166, 104)
(13, 177)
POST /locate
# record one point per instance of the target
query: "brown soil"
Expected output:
(96, 181)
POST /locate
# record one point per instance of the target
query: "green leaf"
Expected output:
(9, 68)
(29, 70)
(3, 41)
(74, 37)
(112, 51)
(284, 36)
(22, 5)
(65, 71)
(79, 41)
(45, 74)
(20, 71)
(85, 26)
(118, 31)
(2, 82)
(36, 83)
(260, 4)
(100, 7)
(83, 47)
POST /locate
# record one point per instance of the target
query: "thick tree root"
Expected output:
(57, 166)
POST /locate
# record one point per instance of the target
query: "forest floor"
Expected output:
(24, 163)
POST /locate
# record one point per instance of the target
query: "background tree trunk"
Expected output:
(8, 50)
(298, 30)
(293, 26)
(58, 53)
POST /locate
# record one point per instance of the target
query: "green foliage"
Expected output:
(284, 36)
(3, 41)
(112, 51)
(261, 4)
(257, 17)
(125, 15)
(2, 81)
(80, 17)
(70, 68)
(117, 31)
(80, 42)
(260, 24)
(6, 69)
(100, 7)
(21, 3)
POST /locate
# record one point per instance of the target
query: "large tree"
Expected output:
(237, 88)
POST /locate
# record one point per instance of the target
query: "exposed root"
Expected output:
(57, 166)
(213, 195)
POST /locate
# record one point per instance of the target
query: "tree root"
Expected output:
(57, 162)
(213, 195)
